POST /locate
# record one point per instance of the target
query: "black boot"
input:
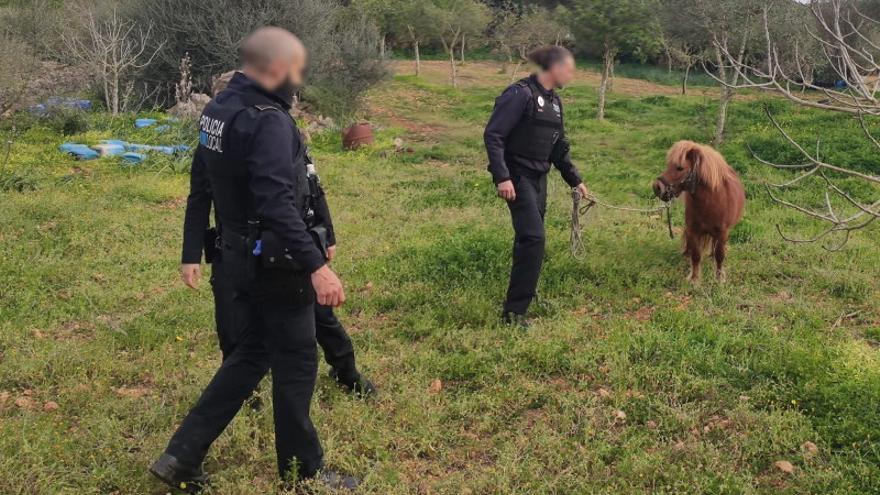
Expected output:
(353, 383)
(174, 474)
(515, 320)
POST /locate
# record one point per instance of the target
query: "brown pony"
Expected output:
(714, 200)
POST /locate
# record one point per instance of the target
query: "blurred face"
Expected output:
(563, 72)
(286, 73)
(296, 73)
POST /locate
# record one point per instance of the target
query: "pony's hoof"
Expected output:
(721, 275)
(695, 281)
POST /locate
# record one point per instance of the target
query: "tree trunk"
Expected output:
(721, 121)
(508, 60)
(607, 68)
(462, 49)
(418, 59)
(726, 91)
(515, 71)
(453, 73)
(611, 77)
(382, 46)
(114, 93)
(684, 80)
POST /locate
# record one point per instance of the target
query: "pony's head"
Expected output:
(688, 166)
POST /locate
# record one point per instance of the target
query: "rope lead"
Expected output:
(579, 212)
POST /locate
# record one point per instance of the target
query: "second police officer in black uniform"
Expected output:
(255, 163)
(524, 136)
(228, 311)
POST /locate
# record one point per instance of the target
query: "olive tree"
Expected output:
(418, 23)
(605, 28)
(343, 43)
(19, 65)
(517, 33)
(458, 19)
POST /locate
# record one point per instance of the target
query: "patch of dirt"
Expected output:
(642, 314)
(485, 73)
(173, 203)
(419, 131)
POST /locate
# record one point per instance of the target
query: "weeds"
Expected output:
(631, 382)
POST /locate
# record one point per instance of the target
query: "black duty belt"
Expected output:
(235, 242)
(519, 171)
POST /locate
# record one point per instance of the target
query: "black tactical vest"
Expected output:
(225, 160)
(540, 126)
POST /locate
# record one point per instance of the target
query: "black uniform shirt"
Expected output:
(198, 212)
(509, 110)
(267, 143)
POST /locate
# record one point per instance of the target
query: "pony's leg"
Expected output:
(719, 248)
(693, 249)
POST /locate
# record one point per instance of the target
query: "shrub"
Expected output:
(343, 45)
(67, 121)
(19, 66)
(36, 23)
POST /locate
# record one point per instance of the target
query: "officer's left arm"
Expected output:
(562, 162)
(271, 152)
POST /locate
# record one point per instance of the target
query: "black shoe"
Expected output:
(336, 481)
(176, 475)
(516, 320)
(355, 385)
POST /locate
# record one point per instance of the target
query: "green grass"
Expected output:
(715, 384)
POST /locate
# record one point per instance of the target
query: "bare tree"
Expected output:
(114, 49)
(183, 89)
(516, 33)
(847, 40)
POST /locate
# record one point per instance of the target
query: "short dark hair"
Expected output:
(549, 55)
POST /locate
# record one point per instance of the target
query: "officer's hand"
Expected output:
(328, 287)
(331, 252)
(582, 189)
(190, 273)
(506, 190)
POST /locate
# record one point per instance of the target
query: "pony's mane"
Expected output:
(712, 170)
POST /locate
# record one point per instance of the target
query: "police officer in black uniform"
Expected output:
(524, 136)
(254, 158)
(229, 315)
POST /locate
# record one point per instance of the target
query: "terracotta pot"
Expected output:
(357, 135)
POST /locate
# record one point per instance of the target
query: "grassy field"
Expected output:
(631, 382)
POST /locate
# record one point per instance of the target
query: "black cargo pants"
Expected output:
(278, 335)
(231, 320)
(527, 212)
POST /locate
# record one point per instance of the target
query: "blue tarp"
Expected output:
(80, 151)
(141, 123)
(132, 153)
(132, 158)
(58, 102)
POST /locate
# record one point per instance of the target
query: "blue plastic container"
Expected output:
(80, 151)
(132, 158)
(141, 123)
